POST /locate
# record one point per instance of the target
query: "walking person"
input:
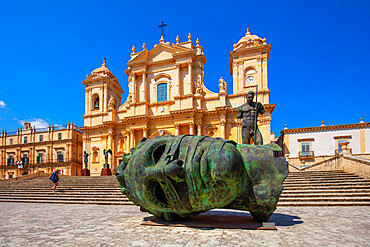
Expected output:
(55, 178)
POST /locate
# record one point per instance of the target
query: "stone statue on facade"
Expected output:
(86, 155)
(175, 177)
(111, 102)
(27, 125)
(198, 87)
(222, 85)
(249, 113)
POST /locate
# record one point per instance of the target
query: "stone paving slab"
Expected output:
(33, 224)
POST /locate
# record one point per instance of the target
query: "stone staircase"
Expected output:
(308, 188)
(71, 190)
(325, 188)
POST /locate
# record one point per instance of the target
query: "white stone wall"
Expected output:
(367, 140)
(324, 142)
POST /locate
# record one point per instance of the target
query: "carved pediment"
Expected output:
(160, 55)
(249, 44)
(160, 52)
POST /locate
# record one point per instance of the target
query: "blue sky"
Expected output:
(318, 68)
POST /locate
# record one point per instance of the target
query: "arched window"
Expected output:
(96, 101)
(161, 92)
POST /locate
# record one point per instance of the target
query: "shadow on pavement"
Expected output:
(285, 219)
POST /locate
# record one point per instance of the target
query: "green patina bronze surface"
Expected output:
(175, 177)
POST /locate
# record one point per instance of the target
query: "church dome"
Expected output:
(102, 71)
(252, 40)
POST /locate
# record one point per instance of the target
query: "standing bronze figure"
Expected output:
(249, 113)
(106, 152)
(86, 159)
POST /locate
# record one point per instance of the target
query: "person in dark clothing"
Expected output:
(55, 178)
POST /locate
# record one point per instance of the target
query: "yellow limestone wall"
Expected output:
(190, 108)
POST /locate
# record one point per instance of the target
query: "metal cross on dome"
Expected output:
(162, 26)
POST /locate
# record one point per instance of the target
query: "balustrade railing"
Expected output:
(306, 154)
(43, 162)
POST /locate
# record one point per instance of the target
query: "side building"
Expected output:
(29, 150)
(167, 95)
(308, 146)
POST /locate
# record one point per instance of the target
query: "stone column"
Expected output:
(144, 90)
(199, 131)
(177, 129)
(240, 76)
(178, 69)
(132, 143)
(87, 105)
(127, 142)
(145, 132)
(68, 156)
(235, 78)
(190, 72)
(223, 125)
(134, 86)
(239, 129)
(105, 99)
(191, 128)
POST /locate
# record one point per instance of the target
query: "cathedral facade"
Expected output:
(167, 96)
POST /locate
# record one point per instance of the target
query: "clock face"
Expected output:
(250, 79)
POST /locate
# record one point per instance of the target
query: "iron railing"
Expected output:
(44, 162)
(60, 127)
(306, 154)
(41, 130)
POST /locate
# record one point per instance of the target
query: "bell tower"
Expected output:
(248, 66)
(102, 94)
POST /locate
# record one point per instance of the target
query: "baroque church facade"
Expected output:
(167, 96)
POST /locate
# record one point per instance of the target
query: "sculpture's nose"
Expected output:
(175, 171)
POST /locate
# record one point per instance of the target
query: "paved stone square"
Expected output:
(34, 224)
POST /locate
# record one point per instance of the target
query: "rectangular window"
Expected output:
(305, 149)
(11, 141)
(39, 158)
(10, 160)
(340, 150)
(59, 156)
(40, 138)
(162, 92)
(25, 159)
(59, 136)
(25, 139)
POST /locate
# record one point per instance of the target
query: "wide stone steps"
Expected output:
(316, 188)
(107, 202)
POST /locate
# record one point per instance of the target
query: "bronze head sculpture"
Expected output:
(175, 177)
